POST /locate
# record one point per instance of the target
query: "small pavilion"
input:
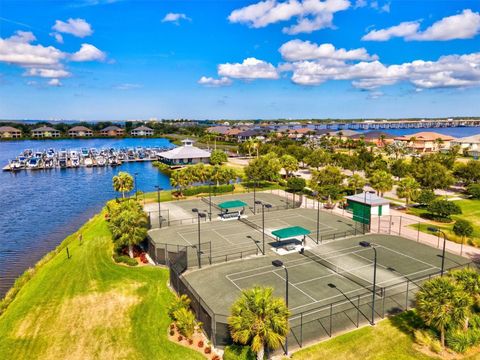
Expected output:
(292, 232)
(232, 209)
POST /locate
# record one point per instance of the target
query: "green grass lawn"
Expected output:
(87, 307)
(470, 212)
(390, 339)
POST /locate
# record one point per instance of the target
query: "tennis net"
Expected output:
(339, 270)
(251, 224)
(207, 201)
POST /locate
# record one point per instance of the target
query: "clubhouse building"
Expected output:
(185, 155)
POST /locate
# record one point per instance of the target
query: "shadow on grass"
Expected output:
(407, 322)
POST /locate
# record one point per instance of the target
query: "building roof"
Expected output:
(468, 139)
(112, 128)
(300, 131)
(369, 135)
(231, 204)
(252, 132)
(45, 128)
(368, 198)
(79, 128)
(426, 136)
(290, 232)
(346, 132)
(8, 129)
(218, 129)
(233, 132)
(142, 128)
(185, 152)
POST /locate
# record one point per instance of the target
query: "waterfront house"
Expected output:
(300, 133)
(379, 138)
(80, 131)
(112, 130)
(250, 134)
(45, 132)
(8, 132)
(469, 144)
(142, 131)
(185, 155)
(426, 141)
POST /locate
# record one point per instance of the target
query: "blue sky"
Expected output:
(125, 59)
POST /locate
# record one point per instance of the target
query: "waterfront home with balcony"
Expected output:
(8, 132)
(80, 131)
(471, 144)
(142, 131)
(45, 132)
(185, 155)
(112, 131)
(426, 141)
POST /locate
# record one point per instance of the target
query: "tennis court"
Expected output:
(331, 285)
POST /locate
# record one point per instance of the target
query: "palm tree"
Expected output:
(259, 319)
(178, 180)
(441, 303)
(469, 280)
(381, 181)
(408, 188)
(123, 182)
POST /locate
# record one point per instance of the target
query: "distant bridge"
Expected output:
(399, 124)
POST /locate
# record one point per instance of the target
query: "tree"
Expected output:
(381, 181)
(258, 319)
(123, 182)
(469, 280)
(356, 182)
(218, 157)
(222, 174)
(399, 168)
(264, 168)
(444, 208)
(474, 191)
(178, 179)
(317, 158)
(408, 189)
(128, 225)
(469, 173)
(441, 303)
(425, 197)
(329, 175)
(296, 184)
(464, 229)
(431, 174)
(289, 164)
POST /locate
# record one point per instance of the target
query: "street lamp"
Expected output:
(135, 183)
(199, 216)
(158, 199)
(268, 206)
(315, 193)
(254, 197)
(210, 183)
(437, 230)
(279, 264)
(366, 244)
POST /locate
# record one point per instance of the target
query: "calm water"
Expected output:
(40, 208)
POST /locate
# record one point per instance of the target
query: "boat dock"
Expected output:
(64, 159)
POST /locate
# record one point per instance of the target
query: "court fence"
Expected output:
(314, 324)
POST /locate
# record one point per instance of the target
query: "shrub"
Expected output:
(220, 189)
(474, 191)
(185, 320)
(425, 197)
(180, 338)
(238, 352)
(436, 346)
(216, 357)
(164, 168)
(296, 184)
(444, 208)
(200, 343)
(458, 341)
(190, 341)
(179, 302)
(125, 260)
(475, 321)
(172, 332)
(208, 350)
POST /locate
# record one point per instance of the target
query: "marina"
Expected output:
(84, 157)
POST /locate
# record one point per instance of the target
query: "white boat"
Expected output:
(49, 163)
(50, 153)
(33, 163)
(74, 158)
(84, 152)
(88, 162)
(100, 161)
(15, 165)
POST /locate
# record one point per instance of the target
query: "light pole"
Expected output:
(279, 263)
(315, 193)
(199, 215)
(136, 191)
(268, 206)
(254, 198)
(158, 199)
(364, 208)
(210, 200)
(437, 230)
(366, 244)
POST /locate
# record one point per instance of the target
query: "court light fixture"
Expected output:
(277, 263)
(195, 210)
(432, 229)
(364, 244)
(202, 214)
(330, 285)
(268, 206)
(258, 202)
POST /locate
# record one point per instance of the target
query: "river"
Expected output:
(40, 208)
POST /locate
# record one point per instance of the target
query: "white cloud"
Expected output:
(311, 15)
(127, 86)
(88, 52)
(76, 27)
(47, 73)
(465, 25)
(296, 50)
(453, 71)
(175, 18)
(249, 69)
(18, 50)
(58, 37)
(212, 82)
(55, 82)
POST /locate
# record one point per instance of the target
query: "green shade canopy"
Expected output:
(232, 204)
(290, 232)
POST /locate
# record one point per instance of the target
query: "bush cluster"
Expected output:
(125, 260)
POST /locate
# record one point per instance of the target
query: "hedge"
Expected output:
(204, 189)
(238, 352)
(125, 260)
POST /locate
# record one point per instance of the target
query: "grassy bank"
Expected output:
(88, 307)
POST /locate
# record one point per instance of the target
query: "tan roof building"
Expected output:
(112, 130)
(45, 132)
(7, 132)
(80, 131)
(142, 131)
(426, 141)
